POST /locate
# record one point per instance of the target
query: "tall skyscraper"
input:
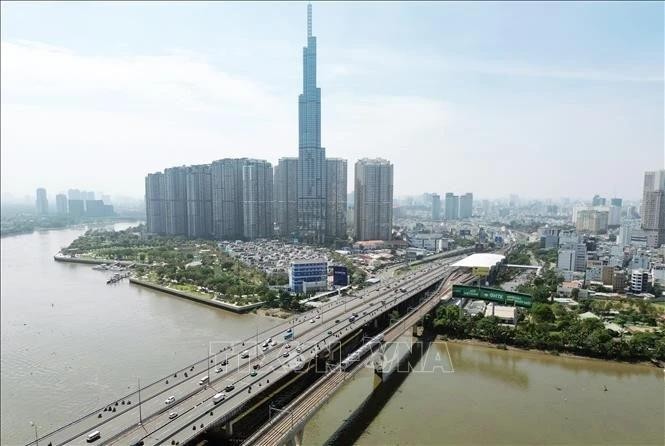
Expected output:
(155, 206)
(74, 194)
(373, 199)
(199, 201)
(227, 198)
(61, 204)
(286, 196)
(311, 156)
(436, 207)
(598, 201)
(41, 202)
(451, 206)
(653, 207)
(336, 199)
(257, 204)
(466, 205)
(175, 195)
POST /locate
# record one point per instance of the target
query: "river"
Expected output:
(70, 343)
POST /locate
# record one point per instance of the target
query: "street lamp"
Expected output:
(36, 436)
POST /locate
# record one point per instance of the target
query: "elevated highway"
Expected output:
(193, 403)
(288, 425)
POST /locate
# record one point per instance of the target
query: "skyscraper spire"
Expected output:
(309, 20)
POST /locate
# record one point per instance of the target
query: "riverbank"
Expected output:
(196, 298)
(490, 345)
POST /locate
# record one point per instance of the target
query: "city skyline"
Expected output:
(49, 76)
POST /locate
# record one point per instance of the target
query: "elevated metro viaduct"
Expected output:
(238, 425)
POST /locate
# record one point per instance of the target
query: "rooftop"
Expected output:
(480, 260)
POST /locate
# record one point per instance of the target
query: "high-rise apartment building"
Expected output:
(155, 205)
(61, 204)
(597, 200)
(336, 199)
(199, 201)
(175, 196)
(286, 196)
(592, 221)
(653, 207)
(311, 156)
(373, 199)
(436, 207)
(74, 194)
(466, 205)
(227, 198)
(257, 187)
(41, 202)
(451, 206)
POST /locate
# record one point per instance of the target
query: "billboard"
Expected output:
(340, 275)
(492, 295)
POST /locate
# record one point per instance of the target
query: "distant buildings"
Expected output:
(373, 199)
(653, 207)
(451, 206)
(199, 201)
(257, 187)
(592, 221)
(336, 199)
(61, 204)
(286, 197)
(155, 203)
(466, 206)
(76, 208)
(227, 199)
(304, 198)
(41, 202)
(436, 207)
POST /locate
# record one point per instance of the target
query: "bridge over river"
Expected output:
(262, 375)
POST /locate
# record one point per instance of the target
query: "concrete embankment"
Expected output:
(63, 258)
(196, 298)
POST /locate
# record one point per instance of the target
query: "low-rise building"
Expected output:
(308, 275)
(639, 280)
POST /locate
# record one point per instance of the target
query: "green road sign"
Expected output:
(492, 295)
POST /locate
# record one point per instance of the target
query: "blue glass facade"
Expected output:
(311, 156)
(308, 275)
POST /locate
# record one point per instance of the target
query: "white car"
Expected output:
(173, 415)
(219, 370)
(169, 400)
(311, 321)
(264, 348)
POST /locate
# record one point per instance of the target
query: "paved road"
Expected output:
(190, 397)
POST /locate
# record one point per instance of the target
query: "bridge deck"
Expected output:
(292, 418)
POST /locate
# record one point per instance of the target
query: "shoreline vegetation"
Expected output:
(27, 224)
(628, 330)
(534, 351)
(198, 270)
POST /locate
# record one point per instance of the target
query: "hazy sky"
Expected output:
(539, 99)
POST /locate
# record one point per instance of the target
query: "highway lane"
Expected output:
(184, 376)
(182, 387)
(183, 431)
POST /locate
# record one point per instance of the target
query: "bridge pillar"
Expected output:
(297, 439)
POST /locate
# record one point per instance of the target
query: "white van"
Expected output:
(244, 354)
(92, 436)
(218, 397)
(203, 380)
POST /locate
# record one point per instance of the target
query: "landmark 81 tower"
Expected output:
(311, 156)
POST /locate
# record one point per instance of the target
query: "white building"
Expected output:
(639, 280)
